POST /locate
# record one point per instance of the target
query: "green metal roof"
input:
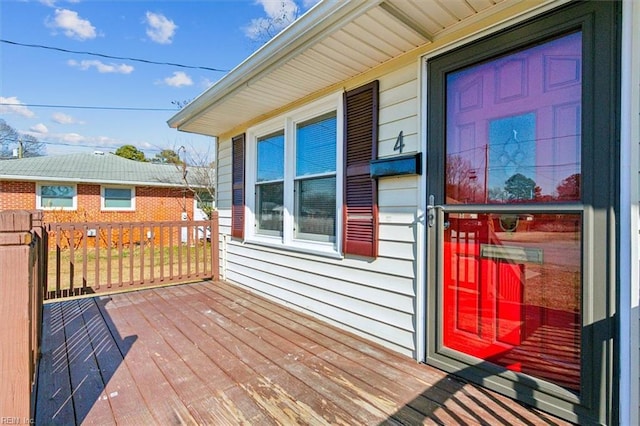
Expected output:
(99, 168)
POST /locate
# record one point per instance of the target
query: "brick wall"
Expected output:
(152, 204)
(17, 195)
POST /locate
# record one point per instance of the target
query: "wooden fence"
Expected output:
(22, 278)
(89, 258)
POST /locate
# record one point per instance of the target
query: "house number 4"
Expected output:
(399, 146)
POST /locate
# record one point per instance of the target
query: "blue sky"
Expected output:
(215, 34)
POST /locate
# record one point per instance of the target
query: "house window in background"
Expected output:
(52, 197)
(118, 198)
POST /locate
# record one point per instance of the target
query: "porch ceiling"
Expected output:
(332, 43)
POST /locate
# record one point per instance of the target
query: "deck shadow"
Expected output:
(81, 351)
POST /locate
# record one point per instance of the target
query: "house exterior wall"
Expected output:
(381, 299)
(375, 298)
(151, 204)
(17, 195)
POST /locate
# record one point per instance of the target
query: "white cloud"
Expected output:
(159, 28)
(279, 15)
(205, 83)
(39, 128)
(14, 107)
(52, 3)
(62, 118)
(179, 79)
(72, 25)
(101, 67)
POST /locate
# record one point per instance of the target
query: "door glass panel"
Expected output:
(512, 292)
(513, 127)
(512, 281)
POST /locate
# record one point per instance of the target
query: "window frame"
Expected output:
(39, 187)
(288, 124)
(103, 197)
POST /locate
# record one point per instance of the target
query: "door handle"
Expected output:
(431, 211)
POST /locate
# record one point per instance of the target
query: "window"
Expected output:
(118, 198)
(315, 181)
(204, 200)
(270, 184)
(293, 173)
(310, 176)
(51, 197)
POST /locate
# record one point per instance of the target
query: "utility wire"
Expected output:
(87, 107)
(78, 52)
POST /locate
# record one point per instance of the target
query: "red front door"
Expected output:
(511, 274)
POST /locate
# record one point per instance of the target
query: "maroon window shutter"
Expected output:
(237, 173)
(360, 210)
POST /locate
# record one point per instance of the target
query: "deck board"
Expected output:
(214, 353)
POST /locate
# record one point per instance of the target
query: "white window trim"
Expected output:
(288, 122)
(39, 205)
(120, 209)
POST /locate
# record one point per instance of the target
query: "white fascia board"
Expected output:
(323, 18)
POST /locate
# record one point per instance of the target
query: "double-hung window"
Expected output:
(315, 179)
(270, 184)
(302, 180)
(293, 174)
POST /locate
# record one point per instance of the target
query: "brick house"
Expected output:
(101, 187)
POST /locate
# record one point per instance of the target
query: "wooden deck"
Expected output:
(215, 354)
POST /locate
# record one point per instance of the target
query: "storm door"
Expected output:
(518, 172)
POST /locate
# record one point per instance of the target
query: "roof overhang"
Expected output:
(332, 43)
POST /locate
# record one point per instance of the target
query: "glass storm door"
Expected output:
(513, 139)
(511, 222)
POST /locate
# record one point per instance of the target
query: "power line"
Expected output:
(101, 55)
(87, 107)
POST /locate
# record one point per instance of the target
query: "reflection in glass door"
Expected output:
(511, 280)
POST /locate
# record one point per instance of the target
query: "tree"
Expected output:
(264, 29)
(569, 188)
(181, 104)
(462, 180)
(168, 156)
(520, 187)
(23, 145)
(131, 152)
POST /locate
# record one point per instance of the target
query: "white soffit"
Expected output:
(350, 40)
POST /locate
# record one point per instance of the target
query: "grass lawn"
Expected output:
(108, 268)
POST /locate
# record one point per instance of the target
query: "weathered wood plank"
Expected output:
(182, 392)
(214, 353)
(190, 342)
(89, 397)
(54, 387)
(126, 402)
(307, 361)
(275, 388)
(434, 384)
(162, 400)
(363, 380)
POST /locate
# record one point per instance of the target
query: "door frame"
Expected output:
(600, 205)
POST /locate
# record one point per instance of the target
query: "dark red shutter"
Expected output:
(360, 191)
(237, 181)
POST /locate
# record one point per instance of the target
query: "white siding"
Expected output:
(374, 298)
(630, 216)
